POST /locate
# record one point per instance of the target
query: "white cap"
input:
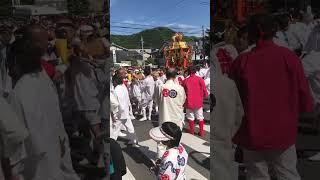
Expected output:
(158, 134)
(86, 29)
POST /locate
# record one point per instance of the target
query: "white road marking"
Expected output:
(128, 176)
(196, 143)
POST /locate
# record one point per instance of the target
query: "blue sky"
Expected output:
(132, 16)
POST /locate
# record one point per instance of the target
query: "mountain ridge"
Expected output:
(153, 38)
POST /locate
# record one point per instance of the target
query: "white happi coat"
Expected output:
(147, 89)
(311, 67)
(136, 91)
(12, 135)
(170, 98)
(207, 75)
(207, 83)
(122, 95)
(203, 72)
(36, 102)
(86, 92)
(114, 126)
(163, 78)
(287, 39)
(158, 83)
(228, 47)
(300, 31)
(228, 113)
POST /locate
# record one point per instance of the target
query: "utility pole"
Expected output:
(195, 52)
(203, 45)
(143, 62)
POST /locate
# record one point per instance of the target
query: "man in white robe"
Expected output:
(12, 136)
(36, 103)
(284, 37)
(311, 67)
(114, 123)
(227, 115)
(147, 91)
(300, 30)
(171, 98)
(204, 71)
(123, 114)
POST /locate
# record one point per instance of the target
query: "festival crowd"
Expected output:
(174, 96)
(52, 93)
(265, 76)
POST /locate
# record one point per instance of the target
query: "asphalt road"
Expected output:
(139, 159)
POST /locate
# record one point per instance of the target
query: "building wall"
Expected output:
(146, 55)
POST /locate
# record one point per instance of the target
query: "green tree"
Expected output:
(153, 38)
(134, 63)
(78, 7)
(150, 61)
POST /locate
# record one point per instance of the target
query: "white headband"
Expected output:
(165, 134)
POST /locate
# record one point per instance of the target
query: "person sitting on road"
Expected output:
(173, 163)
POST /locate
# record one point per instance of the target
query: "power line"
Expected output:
(206, 3)
(186, 33)
(141, 28)
(179, 2)
(179, 17)
(152, 26)
(182, 30)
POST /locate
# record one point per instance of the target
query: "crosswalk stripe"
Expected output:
(191, 173)
(128, 176)
(207, 128)
(196, 143)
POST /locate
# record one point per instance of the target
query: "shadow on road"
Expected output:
(204, 163)
(137, 154)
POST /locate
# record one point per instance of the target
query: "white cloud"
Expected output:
(130, 21)
(189, 30)
(182, 26)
